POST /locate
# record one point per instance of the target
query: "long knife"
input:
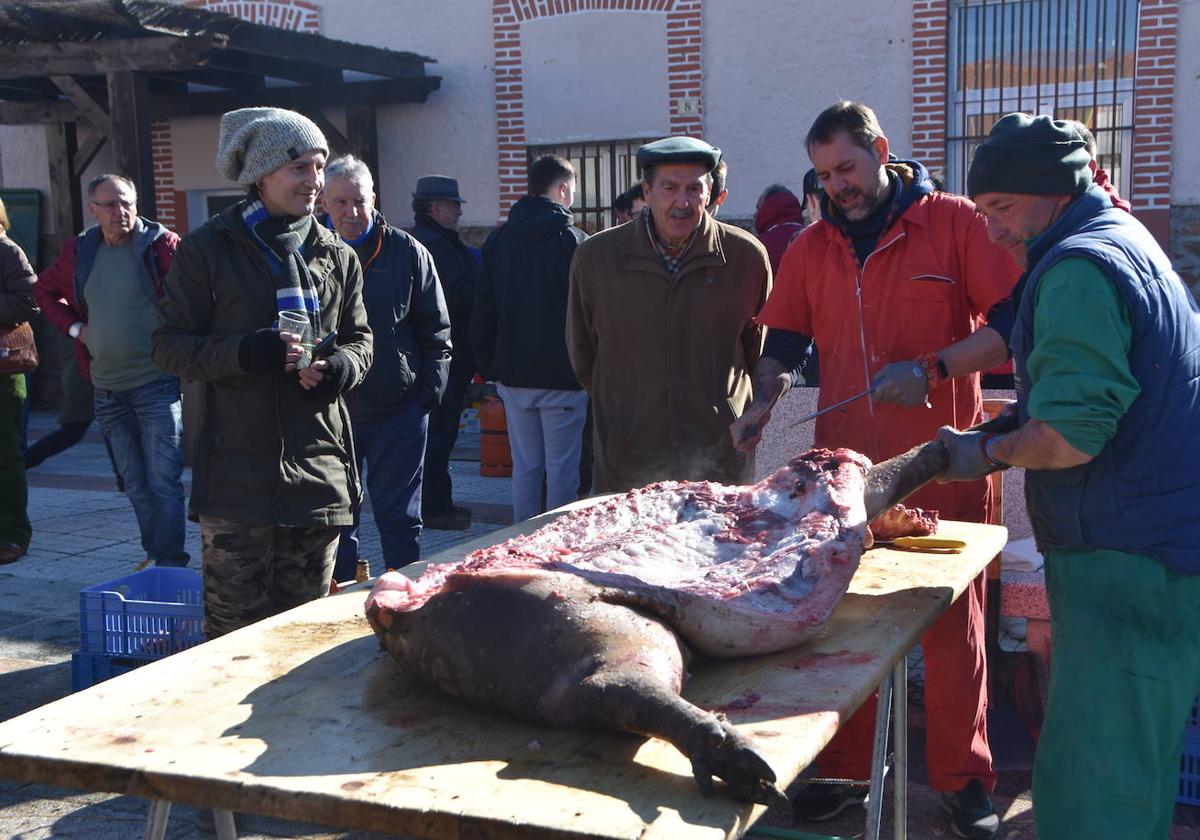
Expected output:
(830, 408)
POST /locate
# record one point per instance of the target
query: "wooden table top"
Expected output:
(302, 716)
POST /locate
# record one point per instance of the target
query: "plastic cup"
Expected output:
(298, 323)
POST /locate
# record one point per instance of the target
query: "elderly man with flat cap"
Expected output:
(275, 477)
(661, 329)
(1107, 352)
(437, 207)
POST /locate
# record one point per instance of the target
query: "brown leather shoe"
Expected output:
(10, 553)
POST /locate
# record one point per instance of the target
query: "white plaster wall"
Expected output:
(771, 66)
(194, 141)
(23, 163)
(454, 132)
(595, 76)
(1185, 167)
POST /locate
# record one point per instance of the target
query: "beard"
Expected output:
(868, 202)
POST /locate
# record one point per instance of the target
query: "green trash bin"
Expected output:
(25, 219)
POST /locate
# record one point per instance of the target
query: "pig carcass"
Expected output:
(587, 621)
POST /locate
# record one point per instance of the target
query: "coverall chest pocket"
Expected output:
(929, 285)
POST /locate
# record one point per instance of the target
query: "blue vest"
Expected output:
(1141, 494)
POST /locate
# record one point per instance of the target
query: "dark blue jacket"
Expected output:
(458, 273)
(407, 316)
(518, 329)
(1141, 494)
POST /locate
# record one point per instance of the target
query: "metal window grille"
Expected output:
(603, 170)
(1072, 59)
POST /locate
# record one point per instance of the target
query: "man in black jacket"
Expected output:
(518, 334)
(437, 207)
(407, 315)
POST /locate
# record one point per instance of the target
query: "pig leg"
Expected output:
(611, 699)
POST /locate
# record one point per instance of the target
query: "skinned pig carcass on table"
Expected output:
(588, 622)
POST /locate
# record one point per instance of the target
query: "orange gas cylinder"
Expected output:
(495, 457)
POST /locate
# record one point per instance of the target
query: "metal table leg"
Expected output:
(156, 822)
(226, 830)
(879, 759)
(900, 757)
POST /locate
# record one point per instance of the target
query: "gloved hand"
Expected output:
(900, 383)
(968, 458)
(262, 351)
(747, 430)
(335, 374)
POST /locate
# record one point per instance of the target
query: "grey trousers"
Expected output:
(545, 433)
(252, 572)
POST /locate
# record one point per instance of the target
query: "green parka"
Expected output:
(266, 450)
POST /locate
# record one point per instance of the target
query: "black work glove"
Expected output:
(335, 378)
(900, 383)
(968, 457)
(262, 351)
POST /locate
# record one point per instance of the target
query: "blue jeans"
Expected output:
(393, 447)
(143, 427)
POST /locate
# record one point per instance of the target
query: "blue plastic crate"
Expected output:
(87, 669)
(1193, 724)
(1189, 771)
(149, 614)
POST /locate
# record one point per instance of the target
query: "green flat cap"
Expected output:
(678, 149)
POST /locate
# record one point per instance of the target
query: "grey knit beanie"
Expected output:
(256, 141)
(1030, 155)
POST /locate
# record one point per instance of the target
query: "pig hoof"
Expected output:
(718, 750)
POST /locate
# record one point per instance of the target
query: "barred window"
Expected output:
(604, 169)
(1072, 59)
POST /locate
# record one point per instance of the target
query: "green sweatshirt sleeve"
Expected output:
(1079, 365)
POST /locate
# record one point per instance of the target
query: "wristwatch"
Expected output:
(75, 329)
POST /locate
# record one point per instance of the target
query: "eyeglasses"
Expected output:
(122, 203)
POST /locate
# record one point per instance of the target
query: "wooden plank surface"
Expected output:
(301, 716)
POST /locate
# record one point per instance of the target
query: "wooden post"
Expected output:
(362, 137)
(129, 112)
(66, 204)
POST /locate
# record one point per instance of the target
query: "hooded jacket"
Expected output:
(928, 282)
(267, 452)
(777, 223)
(59, 290)
(518, 329)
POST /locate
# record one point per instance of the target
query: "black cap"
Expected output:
(1030, 155)
(678, 149)
(438, 188)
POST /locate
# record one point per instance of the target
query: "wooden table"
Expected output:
(301, 716)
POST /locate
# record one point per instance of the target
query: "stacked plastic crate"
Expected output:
(136, 619)
(1189, 765)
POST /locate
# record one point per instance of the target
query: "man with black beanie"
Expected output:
(1107, 351)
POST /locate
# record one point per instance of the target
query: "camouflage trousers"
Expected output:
(255, 571)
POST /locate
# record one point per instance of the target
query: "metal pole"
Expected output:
(156, 822)
(879, 758)
(900, 749)
(226, 830)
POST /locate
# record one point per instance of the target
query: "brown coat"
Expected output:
(667, 363)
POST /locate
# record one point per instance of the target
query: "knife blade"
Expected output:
(830, 408)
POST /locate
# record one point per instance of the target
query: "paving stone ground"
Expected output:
(85, 534)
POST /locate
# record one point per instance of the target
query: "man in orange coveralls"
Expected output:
(902, 291)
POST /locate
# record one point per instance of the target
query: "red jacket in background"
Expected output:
(1100, 179)
(59, 288)
(777, 223)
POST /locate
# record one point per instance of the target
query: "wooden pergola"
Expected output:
(101, 71)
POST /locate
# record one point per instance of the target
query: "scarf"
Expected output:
(672, 258)
(281, 240)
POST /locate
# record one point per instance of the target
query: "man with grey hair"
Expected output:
(390, 409)
(103, 292)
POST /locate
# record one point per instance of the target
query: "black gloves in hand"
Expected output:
(968, 456)
(900, 383)
(262, 351)
(335, 378)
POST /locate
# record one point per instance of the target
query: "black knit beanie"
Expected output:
(1030, 155)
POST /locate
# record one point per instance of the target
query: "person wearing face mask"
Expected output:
(893, 283)
(274, 476)
(411, 329)
(661, 328)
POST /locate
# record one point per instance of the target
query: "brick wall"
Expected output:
(930, 21)
(685, 73)
(1153, 103)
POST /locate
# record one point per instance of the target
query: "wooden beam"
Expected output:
(91, 109)
(148, 55)
(66, 204)
(129, 108)
(26, 113)
(258, 65)
(362, 134)
(302, 97)
(283, 45)
(88, 149)
(337, 140)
